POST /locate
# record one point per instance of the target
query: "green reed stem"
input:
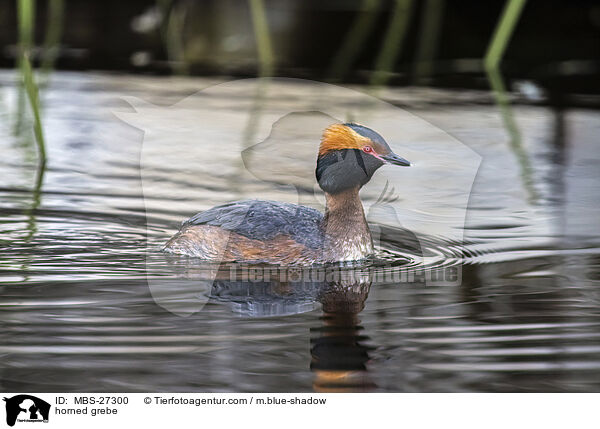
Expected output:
(53, 34)
(354, 40)
(175, 38)
(26, 13)
(263, 39)
(32, 94)
(502, 34)
(428, 38)
(392, 44)
(493, 58)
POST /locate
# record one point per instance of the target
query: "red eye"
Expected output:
(368, 149)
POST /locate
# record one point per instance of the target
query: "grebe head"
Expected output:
(349, 155)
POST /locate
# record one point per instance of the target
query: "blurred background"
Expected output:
(396, 42)
(514, 83)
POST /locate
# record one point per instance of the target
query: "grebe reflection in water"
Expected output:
(338, 345)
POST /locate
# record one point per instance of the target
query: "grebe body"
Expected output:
(289, 234)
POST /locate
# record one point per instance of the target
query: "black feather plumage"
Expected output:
(264, 220)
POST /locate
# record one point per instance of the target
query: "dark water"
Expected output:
(87, 304)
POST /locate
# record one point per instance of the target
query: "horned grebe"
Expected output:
(290, 234)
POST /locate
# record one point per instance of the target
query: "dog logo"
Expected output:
(26, 408)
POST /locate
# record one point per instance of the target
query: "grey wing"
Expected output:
(263, 220)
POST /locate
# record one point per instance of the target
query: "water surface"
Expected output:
(78, 314)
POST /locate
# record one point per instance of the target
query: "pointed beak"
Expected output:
(392, 158)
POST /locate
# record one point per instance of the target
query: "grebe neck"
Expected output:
(347, 234)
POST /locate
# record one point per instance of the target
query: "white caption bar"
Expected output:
(159, 410)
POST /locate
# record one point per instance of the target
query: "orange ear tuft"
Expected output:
(339, 136)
